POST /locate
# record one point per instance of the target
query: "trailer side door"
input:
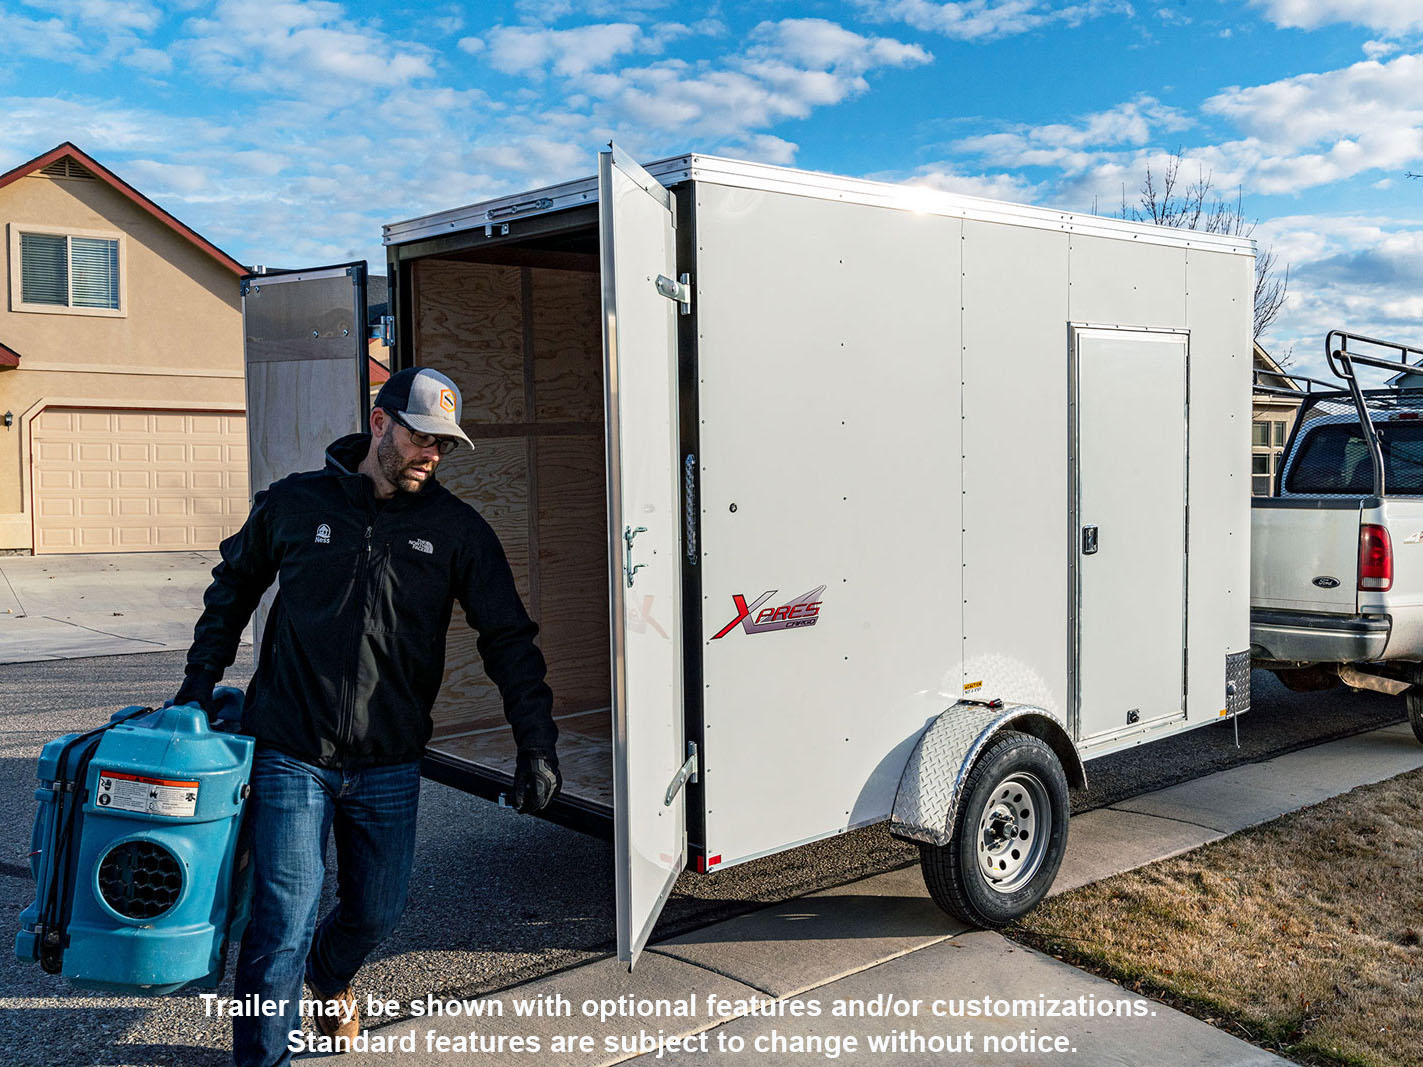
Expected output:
(637, 246)
(1129, 450)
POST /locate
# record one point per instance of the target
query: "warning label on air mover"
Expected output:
(152, 796)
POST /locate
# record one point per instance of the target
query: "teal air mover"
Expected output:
(140, 884)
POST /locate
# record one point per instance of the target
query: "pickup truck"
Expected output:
(1336, 556)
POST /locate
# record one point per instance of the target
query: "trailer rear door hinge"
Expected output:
(680, 291)
(688, 773)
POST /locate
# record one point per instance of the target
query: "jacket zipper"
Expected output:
(348, 709)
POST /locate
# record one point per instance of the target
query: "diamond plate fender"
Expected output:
(932, 783)
(1237, 683)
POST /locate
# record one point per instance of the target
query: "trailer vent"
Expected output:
(140, 879)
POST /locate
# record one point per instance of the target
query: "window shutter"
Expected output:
(94, 262)
(44, 274)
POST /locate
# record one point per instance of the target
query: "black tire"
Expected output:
(1016, 792)
(1413, 701)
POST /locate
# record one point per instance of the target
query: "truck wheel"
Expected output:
(1413, 701)
(1009, 834)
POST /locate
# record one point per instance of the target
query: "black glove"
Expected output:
(536, 781)
(197, 687)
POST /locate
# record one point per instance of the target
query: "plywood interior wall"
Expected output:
(524, 344)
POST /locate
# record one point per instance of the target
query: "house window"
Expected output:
(74, 272)
(1267, 444)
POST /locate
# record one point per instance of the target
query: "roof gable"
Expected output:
(71, 152)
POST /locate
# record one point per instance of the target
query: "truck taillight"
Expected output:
(1375, 559)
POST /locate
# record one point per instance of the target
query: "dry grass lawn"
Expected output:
(1304, 935)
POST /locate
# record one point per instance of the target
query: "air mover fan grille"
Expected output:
(140, 879)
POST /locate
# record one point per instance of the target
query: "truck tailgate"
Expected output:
(1304, 554)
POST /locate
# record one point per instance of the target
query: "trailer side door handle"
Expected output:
(687, 773)
(1089, 540)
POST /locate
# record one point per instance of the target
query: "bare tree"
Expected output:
(1166, 200)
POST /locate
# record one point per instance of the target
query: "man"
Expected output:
(371, 552)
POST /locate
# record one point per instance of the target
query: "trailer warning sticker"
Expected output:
(151, 796)
(754, 618)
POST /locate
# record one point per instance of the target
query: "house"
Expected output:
(1272, 417)
(122, 397)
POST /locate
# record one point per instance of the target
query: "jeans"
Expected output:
(292, 810)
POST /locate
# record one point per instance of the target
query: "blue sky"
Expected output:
(288, 131)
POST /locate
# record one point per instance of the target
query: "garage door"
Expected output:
(137, 481)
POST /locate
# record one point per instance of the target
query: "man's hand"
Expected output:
(536, 782)
(197, 688)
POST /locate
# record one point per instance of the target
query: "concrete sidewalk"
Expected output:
(882, 943)
(71, 607)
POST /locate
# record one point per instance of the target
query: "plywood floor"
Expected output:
(585, 752)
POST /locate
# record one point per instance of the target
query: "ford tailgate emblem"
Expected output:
(1326, 582)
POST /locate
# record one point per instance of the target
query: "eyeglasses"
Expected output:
(446, 445)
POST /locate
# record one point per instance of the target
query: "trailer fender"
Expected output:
(933, 780)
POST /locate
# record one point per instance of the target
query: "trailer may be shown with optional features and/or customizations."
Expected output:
(837, 502)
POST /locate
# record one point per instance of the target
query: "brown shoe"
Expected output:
(340, 1019)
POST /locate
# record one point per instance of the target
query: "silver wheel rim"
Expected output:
(1013, 832)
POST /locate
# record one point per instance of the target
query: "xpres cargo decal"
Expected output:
(804, 610)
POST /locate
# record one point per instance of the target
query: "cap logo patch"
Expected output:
(447, 400)
(323, 534)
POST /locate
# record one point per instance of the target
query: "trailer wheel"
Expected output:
(1009, 835)
(1413, 701)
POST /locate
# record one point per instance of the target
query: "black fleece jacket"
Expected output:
(353, 652)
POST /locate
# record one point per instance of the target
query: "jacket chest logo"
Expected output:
(420, 545)
(323, 534)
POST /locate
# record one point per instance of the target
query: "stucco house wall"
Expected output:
(174, 345)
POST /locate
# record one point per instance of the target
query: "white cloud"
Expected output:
(299, 46)
(973, 20)
(1312, 129)
(149, 60)
(1173, 17)
(760, 148)
(159, 180)
(1075, 147)
(136, 16)
(1380, 49)
(47, 39)
(547, 11)
(785, 70)
(532, 50)
(950, 178)
(1358, 273)
(1386, 16)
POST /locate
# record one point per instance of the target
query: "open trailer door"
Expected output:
(304, 348)
(638, 259)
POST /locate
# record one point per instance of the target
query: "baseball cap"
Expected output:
(427, 401)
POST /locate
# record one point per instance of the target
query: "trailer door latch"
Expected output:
(680, 291)
(688, 773)
(629, 534)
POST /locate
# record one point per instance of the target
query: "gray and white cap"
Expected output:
(426, 400)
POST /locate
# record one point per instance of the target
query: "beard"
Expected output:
(395, 468)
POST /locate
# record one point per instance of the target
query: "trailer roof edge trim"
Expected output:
(740, 174)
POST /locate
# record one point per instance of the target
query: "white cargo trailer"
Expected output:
(837, 502)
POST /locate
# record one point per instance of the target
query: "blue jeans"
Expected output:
(292, 810)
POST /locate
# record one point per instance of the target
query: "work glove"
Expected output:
(197, 687)
(536, 781)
